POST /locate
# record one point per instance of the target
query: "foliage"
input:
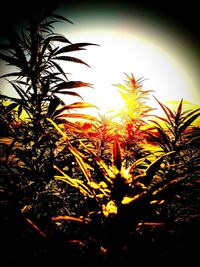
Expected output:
(84, 181)
(124, 197)
(178, 134)
(133, 117)
(32, 146)
(135, 107)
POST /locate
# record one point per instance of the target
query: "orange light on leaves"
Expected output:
(109, 208)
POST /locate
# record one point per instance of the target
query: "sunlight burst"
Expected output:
(132, 46)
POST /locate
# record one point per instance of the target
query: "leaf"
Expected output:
(55, 38)
(35, 227)
(178, 113)
(167, 111)
(84, 166)
(164, 138)
(11, 98)
(20, 92)
(188, 114)
(153, 168)
(11, 106)
(19, 74)
(72, 47)
(59, 69)
(135, 164)
(10, 60)
(54, 103)
(69, 218)
(128, 200)
(70, 85)
(19, 110)
(68, 93)
(80, 105)
(188, 123)
(61, 18)
(79, 116)
(62, 133)
(117, 158)
(71, 59)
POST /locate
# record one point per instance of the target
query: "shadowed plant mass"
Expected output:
(100, 191)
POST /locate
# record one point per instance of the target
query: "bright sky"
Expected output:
(132, 44)
(136, 44)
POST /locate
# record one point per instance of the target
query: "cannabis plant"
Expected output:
(35, 52)
(176, 132)
(133, 117)
(119, 199)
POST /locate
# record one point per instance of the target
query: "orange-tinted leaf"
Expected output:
(35, 227)
(69, 218)
(117, 159)
(80, 105)
(78, 116)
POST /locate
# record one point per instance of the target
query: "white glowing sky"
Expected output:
(130, 44)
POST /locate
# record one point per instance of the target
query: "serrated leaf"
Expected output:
(80, 105)
(72, 48)
(71, 59)
(69, 93)
(70, 85)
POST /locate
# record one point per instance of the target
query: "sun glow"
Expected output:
(128, 44)
(132, 46)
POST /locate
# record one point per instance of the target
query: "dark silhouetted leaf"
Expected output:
(54, 103)
(60, 18)
(11, 107)
(71, 59)
(70, 85)
(72, 47)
